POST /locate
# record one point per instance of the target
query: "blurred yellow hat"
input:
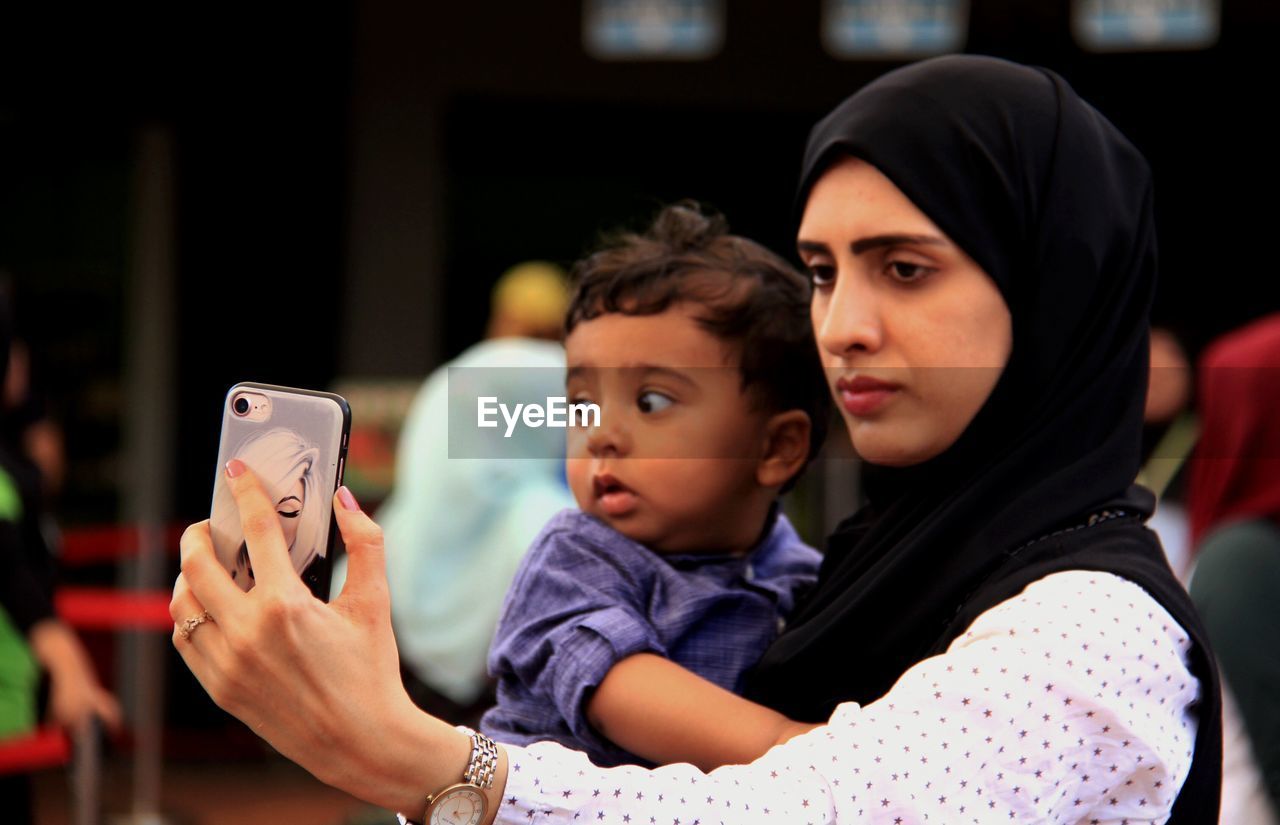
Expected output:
(534, 293)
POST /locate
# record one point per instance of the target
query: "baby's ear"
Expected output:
(786, 448)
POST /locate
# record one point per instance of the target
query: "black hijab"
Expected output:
(1055, 205)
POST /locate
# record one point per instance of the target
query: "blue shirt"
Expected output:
(587, 596)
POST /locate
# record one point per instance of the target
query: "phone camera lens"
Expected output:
(241, 406)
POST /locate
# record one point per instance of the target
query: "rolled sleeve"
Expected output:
(587, 648)
(574, 610)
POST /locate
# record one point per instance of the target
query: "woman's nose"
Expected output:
(852, 322)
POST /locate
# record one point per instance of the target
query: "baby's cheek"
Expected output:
(577, 473)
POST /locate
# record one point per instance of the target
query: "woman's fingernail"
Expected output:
(348, 500)
(235, 468)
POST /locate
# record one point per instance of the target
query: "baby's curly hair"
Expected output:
(745, 294)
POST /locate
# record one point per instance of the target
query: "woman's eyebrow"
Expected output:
(289, 498)
(878, 241)
(875, 242)
(812, 246)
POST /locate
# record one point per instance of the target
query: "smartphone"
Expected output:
(295, 441)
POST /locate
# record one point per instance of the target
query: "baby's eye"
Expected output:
(653, 401)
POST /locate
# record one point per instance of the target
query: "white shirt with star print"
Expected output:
(1066, 704)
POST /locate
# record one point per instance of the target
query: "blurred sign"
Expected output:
(652, 29)
(1136, 25)
(894, 28)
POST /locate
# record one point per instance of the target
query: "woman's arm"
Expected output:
(656, 709)
(1066, 704)
(320, 682)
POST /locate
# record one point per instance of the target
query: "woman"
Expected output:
(286, 465)
(983, 259)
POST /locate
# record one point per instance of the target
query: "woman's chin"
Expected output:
(898, 443)
(886, 459)
(877, 444)
(886, 452)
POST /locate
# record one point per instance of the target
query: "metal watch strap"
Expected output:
(483, 765)
(480, 770)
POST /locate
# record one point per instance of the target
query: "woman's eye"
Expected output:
(288, 513)
(652, 401)
(821, 274)
(907, 272)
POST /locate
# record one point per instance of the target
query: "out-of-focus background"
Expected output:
(324, 195)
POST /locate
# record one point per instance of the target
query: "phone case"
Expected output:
(298, 449)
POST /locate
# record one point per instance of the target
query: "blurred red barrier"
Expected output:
(102, 608)
(110, 542)
(46, 748)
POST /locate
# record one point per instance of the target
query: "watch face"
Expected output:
(463, 805)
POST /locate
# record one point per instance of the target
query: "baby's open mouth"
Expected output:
(605, 484)
(616, 498)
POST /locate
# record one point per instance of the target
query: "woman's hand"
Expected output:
(75, 695)
(320, 682)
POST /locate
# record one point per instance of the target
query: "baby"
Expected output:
(632, 621)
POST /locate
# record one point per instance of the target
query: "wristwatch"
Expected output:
(463, 803)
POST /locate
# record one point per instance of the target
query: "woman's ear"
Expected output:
(786, 448)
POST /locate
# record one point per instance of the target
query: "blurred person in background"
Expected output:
(1234, 500)
(25, 424)
(459, 526)
(32, 638)
(1168, 434)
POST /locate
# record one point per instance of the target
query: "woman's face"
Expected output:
(912, 332)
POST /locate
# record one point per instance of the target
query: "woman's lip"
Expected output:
(864, 403)
(864, 395)
(863, 383)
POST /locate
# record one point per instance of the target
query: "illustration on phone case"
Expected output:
(288, 467)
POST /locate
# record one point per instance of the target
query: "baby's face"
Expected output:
(673, 463)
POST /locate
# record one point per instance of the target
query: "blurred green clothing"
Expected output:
(18, 672)
(1236, 587)
(19, 678)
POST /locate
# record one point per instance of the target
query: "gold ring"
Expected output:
(190, 624)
